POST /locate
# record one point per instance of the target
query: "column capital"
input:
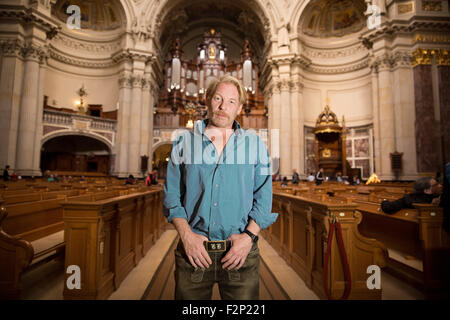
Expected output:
(11, 47)
(125, 80)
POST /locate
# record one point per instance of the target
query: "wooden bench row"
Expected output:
(300, 235)
(32, 232)
(410, 232)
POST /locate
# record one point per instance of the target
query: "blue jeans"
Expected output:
(191, 284)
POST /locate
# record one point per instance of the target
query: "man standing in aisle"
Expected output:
(218, 195)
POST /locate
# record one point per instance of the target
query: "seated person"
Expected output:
(295, 177)
(311, 177)
(425, 190)
(130, 179)
(285, 182)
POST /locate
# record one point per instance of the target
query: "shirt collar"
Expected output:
(200, 126)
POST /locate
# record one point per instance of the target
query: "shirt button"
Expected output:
(215, 204)
(217, 185)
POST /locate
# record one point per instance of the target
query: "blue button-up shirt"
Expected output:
(218, 195)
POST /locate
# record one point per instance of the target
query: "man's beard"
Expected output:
(221, 119)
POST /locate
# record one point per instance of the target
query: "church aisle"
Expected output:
(153, 278)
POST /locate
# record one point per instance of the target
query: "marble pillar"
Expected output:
(376, 122)
(276, 124)
(134, 159)
(123, 116)
(40, 112)
(386, 118)
(11, 78)
(153, 98)
(27, 130)
(296, 129)
(145, 114)
(403, 96)
(285, 129)
(427, 158)
(444, 103)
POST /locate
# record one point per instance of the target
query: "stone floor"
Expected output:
(46, 282)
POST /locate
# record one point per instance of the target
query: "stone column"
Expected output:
(427, 160)
(11, 78)
(145, 114)
(276, 124)
(296, 128)
(123, 116)
(285, 129)
(153, 98)
(386, 117)
(376, 117)
(403, 97)
(134, 127)
(40, 107)
(27, 130)
(443, 70)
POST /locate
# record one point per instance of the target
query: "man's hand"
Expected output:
(195, 250)
(193, 244)
(236, 256)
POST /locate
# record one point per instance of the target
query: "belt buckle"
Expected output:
(216, 246)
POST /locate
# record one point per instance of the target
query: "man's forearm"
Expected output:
(182, 227)
(253, 227)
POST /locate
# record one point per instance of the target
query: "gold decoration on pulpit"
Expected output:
(81, 93)
(330, 140)
(327, 121)
(326, 153)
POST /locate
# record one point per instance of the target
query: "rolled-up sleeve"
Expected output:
(262, 193)
(174, 189)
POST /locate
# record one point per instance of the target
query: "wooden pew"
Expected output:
(300, 235)
(413, 232)
(30, 233)
(107, 238)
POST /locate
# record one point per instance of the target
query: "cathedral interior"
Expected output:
(99, 88)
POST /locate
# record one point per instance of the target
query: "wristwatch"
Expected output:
(251, 235)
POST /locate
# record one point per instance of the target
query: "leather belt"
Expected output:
(217, 246)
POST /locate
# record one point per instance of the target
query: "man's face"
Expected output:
(436, 187)
(224, 105)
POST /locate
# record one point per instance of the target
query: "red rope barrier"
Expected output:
(347, 277)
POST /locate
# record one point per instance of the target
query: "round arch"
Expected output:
(129, 12)
(75, 153)
(297, 13)
(77, 133)
(162, 9)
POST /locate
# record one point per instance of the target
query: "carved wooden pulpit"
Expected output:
(330, 143)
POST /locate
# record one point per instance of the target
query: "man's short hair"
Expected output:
(226, 79)
(422, 184)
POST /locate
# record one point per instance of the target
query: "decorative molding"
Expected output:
(402, 59)
(336, 70)
(434, 6)
(12, 47)
(125, 80)
(425, 57)
(91, 47)
(333, 53)
(79, 62)
(395, 28)
(403, 8)
(28, 16)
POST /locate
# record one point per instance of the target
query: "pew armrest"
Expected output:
(16, 255)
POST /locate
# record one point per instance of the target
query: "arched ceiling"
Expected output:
(333, 18)
(232, 18)
(96, 15)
